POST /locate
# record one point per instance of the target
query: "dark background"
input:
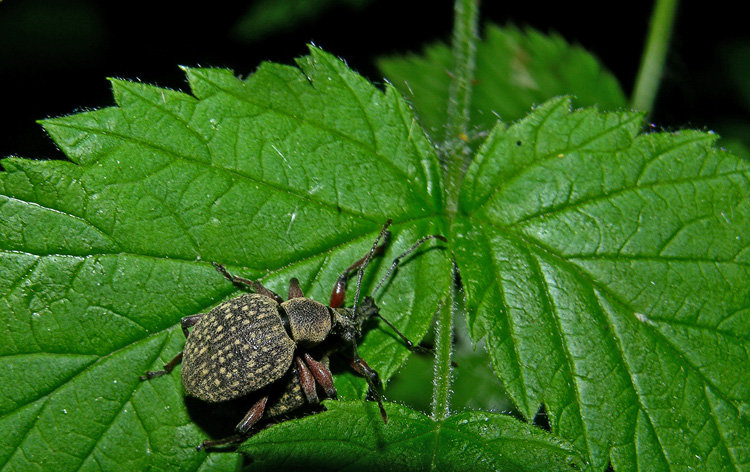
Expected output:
(55, 55)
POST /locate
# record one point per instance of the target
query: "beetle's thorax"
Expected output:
(309, 322)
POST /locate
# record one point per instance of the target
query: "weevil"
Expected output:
(258, 342)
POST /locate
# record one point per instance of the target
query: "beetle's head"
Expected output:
(365, 310)
(348, 324)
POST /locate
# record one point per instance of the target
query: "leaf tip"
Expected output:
(118, 83)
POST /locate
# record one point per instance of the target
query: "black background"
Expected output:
(55, 55)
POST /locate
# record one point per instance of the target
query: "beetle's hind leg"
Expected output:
(150, 374)
(254, 415)
(254, 284)
(185, 323)
(229, 441)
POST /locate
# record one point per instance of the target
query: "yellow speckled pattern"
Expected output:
(238, 347)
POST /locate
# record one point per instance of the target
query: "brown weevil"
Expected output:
(257, 342)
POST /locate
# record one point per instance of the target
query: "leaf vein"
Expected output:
(26, 433)
(621, 191)
(166, 111)
(317, 124)
(70, 215)
(547, 300)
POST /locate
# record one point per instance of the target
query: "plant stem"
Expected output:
(654, 55)
(443, 371)
(456, 151)
(455, 157)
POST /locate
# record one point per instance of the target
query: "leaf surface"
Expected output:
(613, 285)
(290, 173)
(352, 436)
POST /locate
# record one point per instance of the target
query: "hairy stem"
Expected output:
(456, 151)
(443, 371)
(654, 56)
(455, 157)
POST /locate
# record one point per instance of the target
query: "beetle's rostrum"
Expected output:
(257, 342)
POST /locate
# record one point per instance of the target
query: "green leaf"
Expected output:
(352, 436)
(614, 285)
(514, 70)
(290, 173)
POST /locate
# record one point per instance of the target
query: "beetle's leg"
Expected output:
(189, 321)
(339, 288)
(307, 381)
(252, 416)
(232, 278)
(186, 322)
(247, 422)
(211, 443)
(322, 375)
(294, 290)
(255, 285)
(371, 376)
(363, 369)
(410, 345)
(397, 260)
(167, 368)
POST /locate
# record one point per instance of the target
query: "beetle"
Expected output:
(258, 342)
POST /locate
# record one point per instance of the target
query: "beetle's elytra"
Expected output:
(237, 348)
(257, 342)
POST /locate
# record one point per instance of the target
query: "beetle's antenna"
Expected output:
(366, 261)
(397, 260)
(410, 345)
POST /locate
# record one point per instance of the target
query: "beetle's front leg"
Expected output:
(306, 381)
(359, 365)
